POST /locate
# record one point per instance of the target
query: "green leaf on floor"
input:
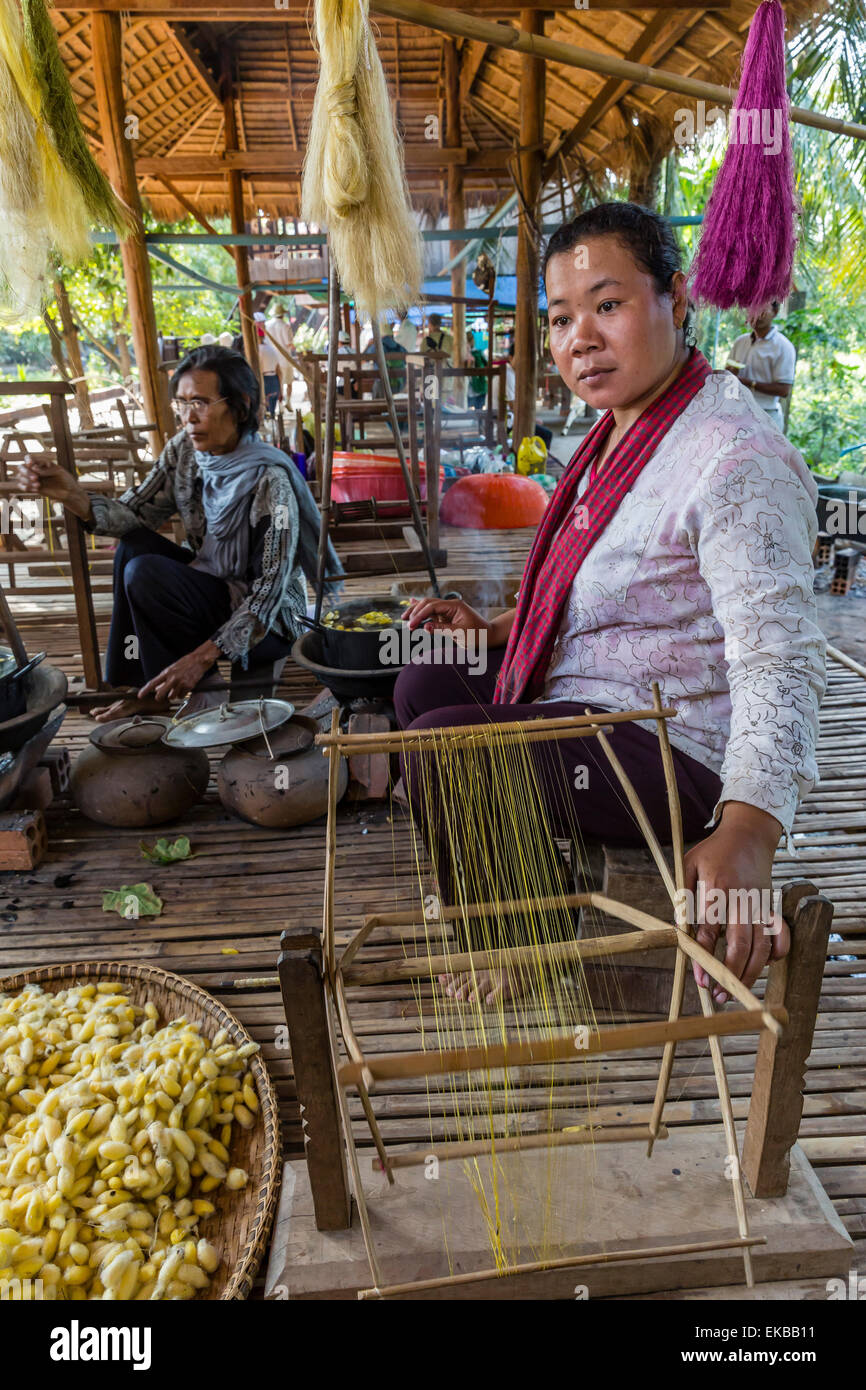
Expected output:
(168, 852)
(132, 901)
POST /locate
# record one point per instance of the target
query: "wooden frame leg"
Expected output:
(777, 1096)
(302, 983)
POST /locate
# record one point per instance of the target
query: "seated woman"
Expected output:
(237, 589)
(676, 548)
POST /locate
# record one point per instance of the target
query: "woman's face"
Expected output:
(612, 336)
(206, 417)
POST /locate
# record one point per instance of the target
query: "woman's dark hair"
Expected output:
(239, 386)
(645, 233)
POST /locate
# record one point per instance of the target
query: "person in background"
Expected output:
(396, 375)
(436, 340)
(277, 327)
(510, 379)
(272, 378)
(765, 360)
(405, 333)
(477, 384)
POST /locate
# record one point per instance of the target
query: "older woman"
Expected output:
(236, 589)
(677, 549)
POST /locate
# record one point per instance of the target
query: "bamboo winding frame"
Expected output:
(362, 1071)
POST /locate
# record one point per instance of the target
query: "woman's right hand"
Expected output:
(49, 480)
(444, 615)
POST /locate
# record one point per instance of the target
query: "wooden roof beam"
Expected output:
(200, 55)
(260, 12)
(658, 38)
(278, 159)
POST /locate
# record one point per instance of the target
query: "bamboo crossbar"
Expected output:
(409, 917)
(591, 947)
(406, 739)
(714, 967)
(627, 1037)
(601, 1257)
(475, 739)
(514, 1143)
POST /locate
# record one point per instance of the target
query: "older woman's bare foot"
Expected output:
(481, 986)
(128, 709)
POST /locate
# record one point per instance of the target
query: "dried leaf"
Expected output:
(166, 852)
(132, 901)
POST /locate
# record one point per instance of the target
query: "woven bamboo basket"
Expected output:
(241, 1224)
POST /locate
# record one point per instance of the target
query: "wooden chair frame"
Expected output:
(314, 983)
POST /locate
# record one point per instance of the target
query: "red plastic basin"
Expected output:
(494, 501)
(356, 477)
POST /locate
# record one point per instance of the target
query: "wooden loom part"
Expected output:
(513, 1143)
(405, 740)
(621, 1038)
(721, 1076)
(567, 1262)
(364, 1071)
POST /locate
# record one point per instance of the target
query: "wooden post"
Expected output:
(777, 1094)
(305, 1002)
(532, 78)
(236, 214)
(456, 212)
(73, 352)
(107, 44)
(76, 544)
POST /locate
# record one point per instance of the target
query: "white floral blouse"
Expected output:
(703, 582)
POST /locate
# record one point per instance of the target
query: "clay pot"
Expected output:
(290, 788)
(130, 777)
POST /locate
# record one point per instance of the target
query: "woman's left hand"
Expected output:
(182, 676)
(737, 858)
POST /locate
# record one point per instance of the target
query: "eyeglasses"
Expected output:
(196, 403)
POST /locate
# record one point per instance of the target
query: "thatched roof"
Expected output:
(173, 71)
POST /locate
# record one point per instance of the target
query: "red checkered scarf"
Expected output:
(559, 551)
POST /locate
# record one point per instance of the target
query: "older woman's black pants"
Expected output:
(162, 608)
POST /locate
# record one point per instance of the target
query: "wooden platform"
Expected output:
(618, 1200)
(224, 911)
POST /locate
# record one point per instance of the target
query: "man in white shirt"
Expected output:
(277, 327)
(765, 361)
(406, 334)
(272, 377)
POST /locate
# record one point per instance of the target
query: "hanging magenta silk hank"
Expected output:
(560, 549)
(746, 251)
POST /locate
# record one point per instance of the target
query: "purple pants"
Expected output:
(431, 696)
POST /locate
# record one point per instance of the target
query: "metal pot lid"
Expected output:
(295, 736)
(136, 735)
(230, 723)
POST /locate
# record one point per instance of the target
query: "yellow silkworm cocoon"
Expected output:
(207, 1256)
(236, 1179)
(112, 1274)
(76, 1274)
(191, 1274)
(243, 1117)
